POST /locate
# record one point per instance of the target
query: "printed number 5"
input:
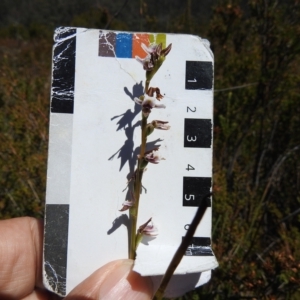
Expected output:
(191, 139)
(191, 197)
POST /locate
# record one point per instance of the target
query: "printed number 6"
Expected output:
(191, 139)
(191, 197)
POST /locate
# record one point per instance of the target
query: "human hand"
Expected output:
(21, 244)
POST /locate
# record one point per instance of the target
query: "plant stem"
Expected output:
(133, 220)
(147, 85)
(143, 136)
(137, 191)
(182, 248)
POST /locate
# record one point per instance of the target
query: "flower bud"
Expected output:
(154, 59)
(143, 163)
(153, 156)
(149, 128)
(148, 229)
(128, 203)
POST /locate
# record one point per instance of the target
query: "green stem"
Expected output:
(133, 220)
(137, 191)
(147, 85)
(143, 136)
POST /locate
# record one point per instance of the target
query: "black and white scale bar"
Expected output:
(56, 247)
(63, 76)
(199, 246)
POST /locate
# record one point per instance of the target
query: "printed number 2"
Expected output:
(191, 197)
(190, 168)
(188, 108)
(191, 139)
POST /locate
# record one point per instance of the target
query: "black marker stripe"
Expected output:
(56, 246)
(63, 75)
(194, 189)
(197, 133)
(198, 75)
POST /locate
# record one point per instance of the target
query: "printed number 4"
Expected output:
(190, 168)
(191, 197)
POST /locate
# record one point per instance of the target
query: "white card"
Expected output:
(93, 146)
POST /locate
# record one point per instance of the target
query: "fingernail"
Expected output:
(123, 283)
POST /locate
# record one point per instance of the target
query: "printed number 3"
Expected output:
(191, 139)
(191, 197)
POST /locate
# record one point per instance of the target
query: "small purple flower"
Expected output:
(146, 62)
(156, 124)
(128, 203)
(162, 125)
(153, 156)
(147, 103)
(154, 52)
(148, 229)
(155, 91)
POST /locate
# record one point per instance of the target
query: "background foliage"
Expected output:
(256, 134)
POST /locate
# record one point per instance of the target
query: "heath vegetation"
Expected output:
(256, 215)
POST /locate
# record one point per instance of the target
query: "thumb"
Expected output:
(114, 281)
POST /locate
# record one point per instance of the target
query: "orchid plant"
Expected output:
(151, 98)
